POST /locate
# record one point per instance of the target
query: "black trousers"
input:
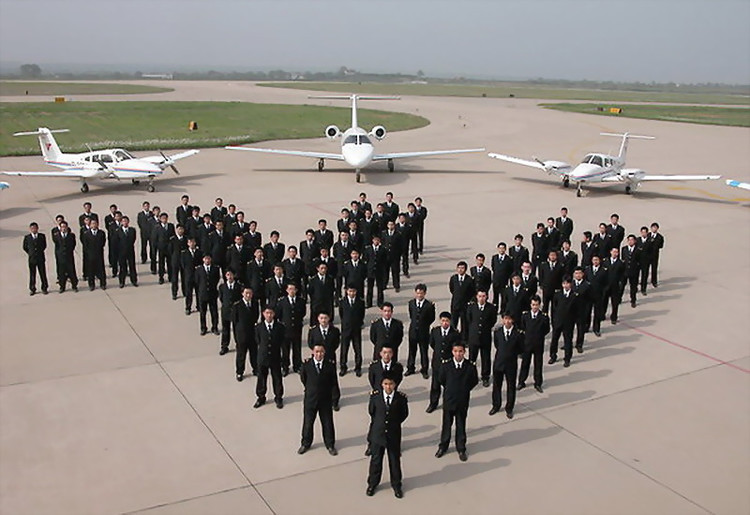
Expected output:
(212, 306)
(42, 268)
(66, 269)
(376, 465)
(632, 281)
(178, 279)
(190, 289)
(538, 354)
(226, 329)
(654, 266)
(372, 282)
(353, 338)
(421, 342)
(459, 315)
(600, 308)
(325, 412)
(581, 326)
(567, 333)
(245, 346)
(509, 373)
(615, 298)
(152, 256)
(114, 262)
(292, 345)
(547, 299)
(420, 238)
(261, 386)
(435, 387)
(145, 243)
(483, 351)
(85, 265)
(96, 270)
(459, 415)
(165, 264)
(395, 273)
(405, 258)
(127, 266)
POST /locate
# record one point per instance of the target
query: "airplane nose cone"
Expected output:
(584, 171)
(359, 157)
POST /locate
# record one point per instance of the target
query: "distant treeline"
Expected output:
(345, 74)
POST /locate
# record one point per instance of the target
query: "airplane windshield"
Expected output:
(357, 139)
(104, 158)
(364, 140)
(121, 155)
(596, 160)
(350, 140)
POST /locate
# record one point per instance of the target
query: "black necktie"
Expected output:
(387, 402)
(317, 365)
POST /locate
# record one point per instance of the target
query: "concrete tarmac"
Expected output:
(111, 401)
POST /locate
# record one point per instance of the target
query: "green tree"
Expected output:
(32, 71)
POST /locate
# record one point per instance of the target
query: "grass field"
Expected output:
(60, 89)
(518, 90)
(707, 115)
(155, 125)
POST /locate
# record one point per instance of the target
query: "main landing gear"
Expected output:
(566, 182)
(628, 190)
(321, 165)
(579, 190)
(84, 187)
(390, 165)
(358, 176)
(150, 188)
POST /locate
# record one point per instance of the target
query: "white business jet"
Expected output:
(111, 163)
(602, 168)
(357, 149)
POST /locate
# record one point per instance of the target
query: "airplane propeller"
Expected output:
(169, 163)
(546, 167)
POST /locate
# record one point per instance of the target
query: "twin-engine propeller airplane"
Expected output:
(357, 149)
(111, 163)
(602, 168)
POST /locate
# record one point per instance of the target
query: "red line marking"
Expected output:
(678, 345)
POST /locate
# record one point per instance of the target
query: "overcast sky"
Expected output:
(633, 40)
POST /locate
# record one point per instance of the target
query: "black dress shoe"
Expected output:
(509, 414)
(215, 331)
(174, 297)
(285, 372)
(552, 361)
(279, 404)
(485, 382)
(398, 493)
(643, 292)
(187, 311)
(521, 386)
(31, 293)
(92, 288)
(303, 449)
(368, 451)
(463, 456)
(358, 373)
(579, 349)
(332, 451)
(223, 351)
(259, 403)
(45, 292)
(75, 289)
(425, 375)
(122, 285)
(538, 389)
(370, 491)
(336, 406)
(203, 332)
(566, 363)
(440, 452)
(598, 333)
(408, 373)
(430, 409)
(494, 410)
(240, 377)
(342, 372)
(135, 284)
(161, 280)
(632, 304)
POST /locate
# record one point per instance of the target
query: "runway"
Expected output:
(111, 402)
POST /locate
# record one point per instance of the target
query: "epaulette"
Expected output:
(472, 362)
(269, 279)
(373, 362)
(446, 360)
(401, 393)
(374, 392)
(308, 359)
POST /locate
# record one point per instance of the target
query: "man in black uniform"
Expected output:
(352, 316)
(502, 270)
(294, 268)
(480, 319)
(191, 258)
(245, 316)
(596, 275)
(421, 316)
(354, 273)
(207, 278)
(414, 220)
(457, 376)
(568, 258)
(385, 363)
(114, 242)
(183, 211)
(326, 335)
(583, 302)
(219, 241)
(540, 247)
(535, 326)
(290, 311)
(603, 242)
(193, 224)
(615, 281)
(341, 254)
(563, 320)
(554, 238)
(646, 246)
(321, 289)
(323, 236)
(386, 331)
(408, 243)
(205, 231)
(631, 256)
(519, 253)
(515, 298)
(270, 337)
(461, 286)
(34, 244)
(218, 212)
(658, 243)
(390, 207)
(481, 274)
(421, 211)
(127, 253)
(258, 271)
(87, 213)
(588, 249)
(508, 344)
(393, 243)
(144, 227)
(177, 244)
(388, 409)
(253, 238)
(237, 258)
(154, 225)
(615, 230)
(442, 339)
(230, 292)
(95, 240)
(162, 234)
(550, 279)
(273, 250)
(275, 286)
(308, 250)
(318, 376)
(377, 270)
(564, 224)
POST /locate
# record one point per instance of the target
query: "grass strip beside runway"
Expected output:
(707, 115)
(517, 90)
(162, 125)
(61, 89)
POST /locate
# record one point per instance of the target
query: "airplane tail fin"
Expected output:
(354, 99)
(624, 144)
(50, 149)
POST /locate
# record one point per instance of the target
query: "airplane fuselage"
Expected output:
(357, 148)
(115, 161)
(595, 168)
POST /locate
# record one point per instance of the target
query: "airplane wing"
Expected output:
(551, 167)
(407, 155)
(183, 155)
(4, 185)
(299, 153)
(71, 173)
(738, 184)
(639, 176)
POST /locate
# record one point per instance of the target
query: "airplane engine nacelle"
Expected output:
(632, 175)
(332, 132)
(378, 132)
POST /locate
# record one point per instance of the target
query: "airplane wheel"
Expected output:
(566, 183)
(84, 188)
(390, 165)
(578, 192)
(321, 165)
(628, 190)
(136, 181)
(358, 176)
(151, 188)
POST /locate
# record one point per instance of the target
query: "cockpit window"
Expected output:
(587, 158)
(357, 139)
(105, 158)
(350, 140)
(121, 155)
(364, 140)
(596, 160)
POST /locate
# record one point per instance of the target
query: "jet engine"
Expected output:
(378, 132)
(332, 132)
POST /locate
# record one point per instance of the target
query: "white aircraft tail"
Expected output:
(624, 144)
(50, 150)
(354, 99)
